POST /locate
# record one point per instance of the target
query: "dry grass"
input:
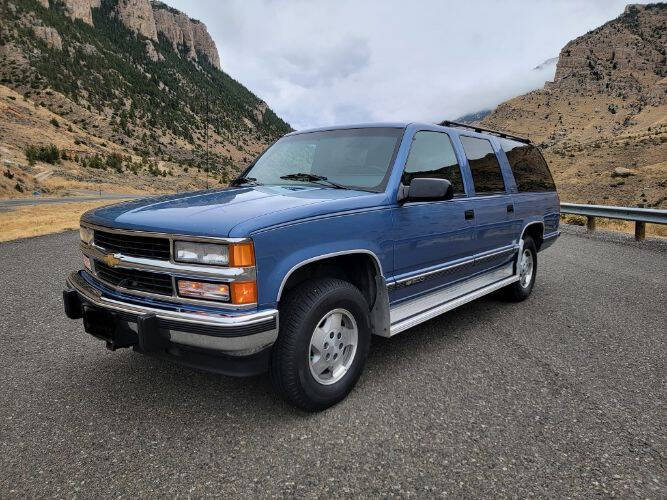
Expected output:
(622, 226)
(36, 220)
(63, 186)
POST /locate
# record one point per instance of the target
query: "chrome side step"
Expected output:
(411, 313)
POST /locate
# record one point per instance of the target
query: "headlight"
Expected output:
(86, 235)
(201, 253)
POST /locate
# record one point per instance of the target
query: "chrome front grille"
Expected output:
(135, 246)
(133, 279)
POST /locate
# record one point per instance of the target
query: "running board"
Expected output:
(413, 312)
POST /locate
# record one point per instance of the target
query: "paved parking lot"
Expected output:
(561, 395)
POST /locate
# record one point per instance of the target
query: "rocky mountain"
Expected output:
(548, 64)
(602, 122)
(148, 18)
(473, 117)
(136, 76)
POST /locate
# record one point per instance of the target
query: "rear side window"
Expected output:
(531, 172)
(432, 155)
(484, 166)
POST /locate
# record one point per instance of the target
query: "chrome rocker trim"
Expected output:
(236, 343)
(416, 311)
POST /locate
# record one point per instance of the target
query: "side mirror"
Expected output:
(425, 189)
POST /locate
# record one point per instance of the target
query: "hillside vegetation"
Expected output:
(118, 77)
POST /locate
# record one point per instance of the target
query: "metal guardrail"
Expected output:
(640, 216)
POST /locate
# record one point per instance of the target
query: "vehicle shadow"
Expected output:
(141, 385)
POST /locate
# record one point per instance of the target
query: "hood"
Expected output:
(217, 213)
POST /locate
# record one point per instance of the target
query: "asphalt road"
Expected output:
(561, 395)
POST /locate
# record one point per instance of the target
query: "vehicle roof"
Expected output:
(454, 127)
(353, 125)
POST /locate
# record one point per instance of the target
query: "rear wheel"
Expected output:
(323, 343)
(526, 268)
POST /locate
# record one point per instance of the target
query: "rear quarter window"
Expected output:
(484, 166)
(531, 172)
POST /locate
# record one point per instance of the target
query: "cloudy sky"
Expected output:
(322, 62)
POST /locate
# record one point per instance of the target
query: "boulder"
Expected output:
(622, 172)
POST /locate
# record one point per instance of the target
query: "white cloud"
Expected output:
(320, 62)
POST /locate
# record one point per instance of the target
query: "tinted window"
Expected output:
(484, 166)
(356, 158)
(432, 155)
(531, 172)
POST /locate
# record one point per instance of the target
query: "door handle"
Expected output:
(510, 208)
(470, 214)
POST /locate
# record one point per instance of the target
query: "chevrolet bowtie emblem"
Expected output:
(111, 260)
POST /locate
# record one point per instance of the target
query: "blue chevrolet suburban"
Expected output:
(330, 236)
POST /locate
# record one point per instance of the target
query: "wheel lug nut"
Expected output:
(331, 335)
(340, 346)
(326, 345)
(339, 335)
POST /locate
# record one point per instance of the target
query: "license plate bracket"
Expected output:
(98, 322)
(104, 325)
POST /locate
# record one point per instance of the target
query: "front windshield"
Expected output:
(350, 158)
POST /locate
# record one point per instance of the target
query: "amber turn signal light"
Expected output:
(244, 292)
(241, 255)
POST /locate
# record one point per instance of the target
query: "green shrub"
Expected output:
(115, 161)
(48, 154)
(95, 162)
(55, 123)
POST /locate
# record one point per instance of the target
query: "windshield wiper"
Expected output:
(246, 180)
(315, 179)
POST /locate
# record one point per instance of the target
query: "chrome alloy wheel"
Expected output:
(526, 266)
(333, 346)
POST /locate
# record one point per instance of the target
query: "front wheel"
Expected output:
(526, 268)
(323, 343)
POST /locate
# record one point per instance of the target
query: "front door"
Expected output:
(433, 239)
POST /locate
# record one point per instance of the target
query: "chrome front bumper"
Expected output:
(238, 334)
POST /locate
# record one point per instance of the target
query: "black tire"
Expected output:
(517, 292)
(300, 312)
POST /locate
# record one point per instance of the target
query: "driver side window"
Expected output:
(432, 155)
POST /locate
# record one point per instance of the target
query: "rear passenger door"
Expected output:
(434, 240)
(492, 205)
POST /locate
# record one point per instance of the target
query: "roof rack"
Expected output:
(504, 135)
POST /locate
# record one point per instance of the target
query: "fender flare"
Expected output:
(363, 251)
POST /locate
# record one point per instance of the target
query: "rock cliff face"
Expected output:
(624, 56)
(148, 18)
(77, 9)
(184, 32)
(81, 9)
(137, 15)
(49, 35)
